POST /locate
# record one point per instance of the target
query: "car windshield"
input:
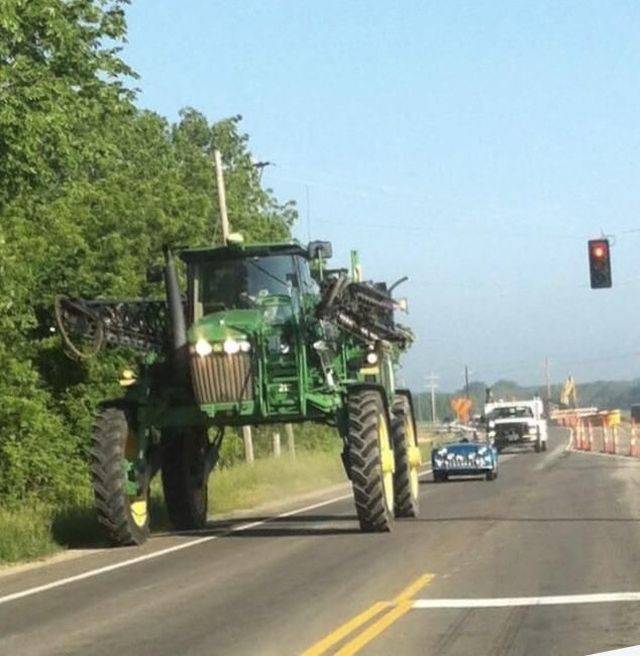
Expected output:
(242, 282)
(512, 411)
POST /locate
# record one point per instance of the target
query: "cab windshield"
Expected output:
(243, 282)
(505, 413)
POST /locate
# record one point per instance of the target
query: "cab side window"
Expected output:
(307, 284)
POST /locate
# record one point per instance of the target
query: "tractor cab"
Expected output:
(246, 308)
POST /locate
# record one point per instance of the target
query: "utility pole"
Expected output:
(431, 384)
(547, 378)
(222, 197)
(466, 380)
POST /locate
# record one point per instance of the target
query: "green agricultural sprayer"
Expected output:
(264, 334)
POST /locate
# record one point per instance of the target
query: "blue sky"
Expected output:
(474, 146)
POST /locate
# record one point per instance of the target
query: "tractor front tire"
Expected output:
(184, 477)
(121, 502)
(371, 460)
(407, 460)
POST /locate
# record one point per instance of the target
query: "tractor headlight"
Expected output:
(231, 346)
(203, 347)
(245, 346)
(372, 357)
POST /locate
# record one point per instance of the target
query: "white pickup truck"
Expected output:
(516, 422)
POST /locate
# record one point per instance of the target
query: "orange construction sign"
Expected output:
(462, 407)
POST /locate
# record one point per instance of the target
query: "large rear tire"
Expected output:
(121, 491)
(407, 460)
(371, 460)
(185, 477)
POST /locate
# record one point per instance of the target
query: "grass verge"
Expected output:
(271, 479)
(35, 531)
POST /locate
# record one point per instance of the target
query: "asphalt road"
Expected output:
(552, 524)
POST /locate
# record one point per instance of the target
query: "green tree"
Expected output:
(90, 189)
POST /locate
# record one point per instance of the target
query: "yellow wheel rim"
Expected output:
(387, 461)
(138, 505)
(414, 457)
(139, 512)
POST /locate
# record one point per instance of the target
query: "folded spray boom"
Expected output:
(85, 326)
(364, 309)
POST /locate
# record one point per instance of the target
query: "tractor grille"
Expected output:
(222, 378)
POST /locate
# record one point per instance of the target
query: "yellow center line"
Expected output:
(401, 605)
(355, 645)
(414, 587)
(342, 632)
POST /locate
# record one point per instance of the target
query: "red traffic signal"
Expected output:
(599, 263)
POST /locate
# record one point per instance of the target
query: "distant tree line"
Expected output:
(604, 394)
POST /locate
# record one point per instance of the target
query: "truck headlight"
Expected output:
(372, 357)
(245, 346)
(203, 347)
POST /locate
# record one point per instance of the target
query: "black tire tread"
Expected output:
(364, 406)
(404, 504)
(108, 441)
(185, 509)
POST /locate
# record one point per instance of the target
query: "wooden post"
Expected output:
(277, 451)
(291, 440)
(614, 437)
(590, 428)
(222, 196)
(632, 439)
(248, 444)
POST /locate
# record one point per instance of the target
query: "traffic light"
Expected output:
(599, 263)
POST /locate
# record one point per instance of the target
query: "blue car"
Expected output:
(464, 458)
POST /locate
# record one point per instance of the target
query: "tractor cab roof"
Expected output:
(240, 250)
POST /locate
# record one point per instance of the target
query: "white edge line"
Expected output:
(169, 550)
(501, 602)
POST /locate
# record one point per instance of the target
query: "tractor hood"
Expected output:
(235, 324)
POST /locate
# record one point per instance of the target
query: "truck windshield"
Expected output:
(243, 282)
(505, 413)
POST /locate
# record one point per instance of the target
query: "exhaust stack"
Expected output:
(174, 304)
